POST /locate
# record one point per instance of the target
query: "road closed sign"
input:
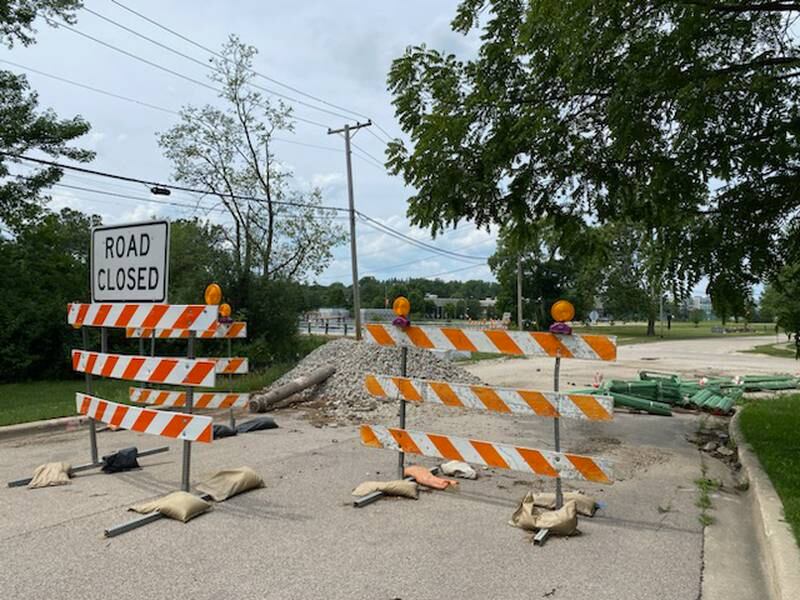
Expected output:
(130, 263)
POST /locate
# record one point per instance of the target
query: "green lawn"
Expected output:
(771, 426)
(637, 333)
(778, 350)
(24, 402)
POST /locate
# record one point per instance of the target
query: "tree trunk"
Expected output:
(277, 398)
(651, 326)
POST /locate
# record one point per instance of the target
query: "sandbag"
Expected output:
(54, 473)
(229, 482)
(424, 477)
(256, 425)
(219, 431)
(456, 468)
(181, 506)
(586, 505)
(560, 522)
(407, 489)
(121, 460)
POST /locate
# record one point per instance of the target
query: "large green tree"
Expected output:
(642, 111)
(23, 127)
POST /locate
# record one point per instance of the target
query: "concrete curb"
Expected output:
(779, 551)
(36, 427)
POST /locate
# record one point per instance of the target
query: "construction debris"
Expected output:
(400, 487)
(49, 474)
(456, 468)
(342, 396)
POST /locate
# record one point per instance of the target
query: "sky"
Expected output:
(339, 51)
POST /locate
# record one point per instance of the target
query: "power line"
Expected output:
(167, 70)
(206, 65)
(267, 78)
(163, 109)
(166, 185)
(400, 235)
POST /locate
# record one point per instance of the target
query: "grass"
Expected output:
(36, 400)
(705, 487)
(636, 333)
(777, 350)
(771, 427)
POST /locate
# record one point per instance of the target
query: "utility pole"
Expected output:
(353, 255)
(519, 293)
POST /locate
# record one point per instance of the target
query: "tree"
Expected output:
(786, 286)
(643, 112)
(278, 232)
(696, 315)
(42, 269)
(23, 126)
(197, 256)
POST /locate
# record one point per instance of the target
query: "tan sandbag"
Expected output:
(180, 506)
(424, 477)
(586, 504)
(54, 473)
(407, 489)
(229, 482)
(560, 522)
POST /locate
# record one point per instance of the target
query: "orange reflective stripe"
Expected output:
(459, 339)
(419, 338)
(445, 447)
(374, 387)
(446, 394)
(84, 308)
(76, 358)
(404, 440)
(155, 314)
(108, 366)
(144, 420)
(162, 371)
(503, 342)
(538, 403)
(199, 372)
(203, 400)
(175, 426)
(381, 336)
(235, 329)
(126, 314)
(368, 437)
(538, 463)
(590, 407)
(603, 346)
(206, 436)
(100, 410)
(233, 365)
(229, 400)
(490, 454)
(90, 362)
(407, 389)
(118, 415)
(588, 468)
(551, 344)
(490, 399)
(101, 315)
(85, 405)
(133, 367)
(188, 316)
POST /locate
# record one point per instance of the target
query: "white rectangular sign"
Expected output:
(130, 263)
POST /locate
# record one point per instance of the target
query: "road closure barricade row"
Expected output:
(555, 405)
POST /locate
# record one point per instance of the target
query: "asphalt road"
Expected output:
(301, 538)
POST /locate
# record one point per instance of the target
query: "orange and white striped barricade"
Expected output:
(544, 463)
(232, 365)
(193, 317)
(492, 398)
(177, 399)
(234, 330)
(495, 341)
(181, 426)
(149, 369)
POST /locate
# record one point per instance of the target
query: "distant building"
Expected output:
(702, 303)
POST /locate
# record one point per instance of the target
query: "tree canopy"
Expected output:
(681, 116)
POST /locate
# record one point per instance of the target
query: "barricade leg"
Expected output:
(187, 445)
(401, 457)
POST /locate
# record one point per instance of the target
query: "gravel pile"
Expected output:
(343, 397)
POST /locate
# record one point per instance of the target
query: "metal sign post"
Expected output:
(230, 388)
(401, 456)
(92, 423)
(187, 445)
(557, 432)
